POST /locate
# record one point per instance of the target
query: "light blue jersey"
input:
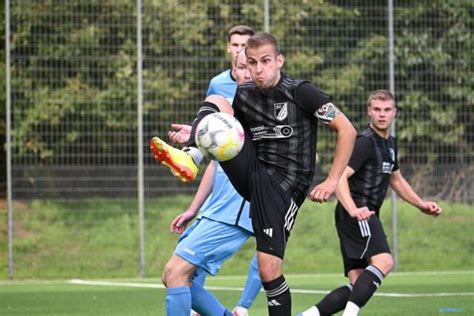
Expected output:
(222, 227)
(224, 204)
(223, 84)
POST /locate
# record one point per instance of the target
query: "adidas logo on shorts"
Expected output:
(268, 231)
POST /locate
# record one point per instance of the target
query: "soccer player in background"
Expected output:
(224, 84)
(361, 191)
(275, 167)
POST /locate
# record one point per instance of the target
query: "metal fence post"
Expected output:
(8, 140)
(266, 18)
(140, 180)
(391, 79)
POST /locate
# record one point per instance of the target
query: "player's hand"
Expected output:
(361, 213)
(431, 208)
(180, 133)
(323, 191)
(180, 222)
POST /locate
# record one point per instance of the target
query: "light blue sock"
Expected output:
(199, 277)
(205, 303)
(252, 285)
(178, 301)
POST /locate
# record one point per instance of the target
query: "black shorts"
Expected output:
(360, 240)
(273, 211)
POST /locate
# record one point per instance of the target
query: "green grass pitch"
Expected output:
(417, 293)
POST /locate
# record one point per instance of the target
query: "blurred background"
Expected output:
(90, 82)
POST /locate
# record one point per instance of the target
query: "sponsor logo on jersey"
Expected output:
(281, 110)
(283, 131)
(279, 131)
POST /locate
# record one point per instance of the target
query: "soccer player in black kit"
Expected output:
(361, 191)
(275, 167)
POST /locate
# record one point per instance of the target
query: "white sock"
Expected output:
(195, 153)
(312, 311)
(351, 309)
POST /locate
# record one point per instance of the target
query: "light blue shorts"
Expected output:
(207, 243)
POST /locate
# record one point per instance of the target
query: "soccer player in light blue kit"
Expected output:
(224, 84)
(223, 224)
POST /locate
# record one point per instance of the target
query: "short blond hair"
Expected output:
(241, 30)
(382, 95)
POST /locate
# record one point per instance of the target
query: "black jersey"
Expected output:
(374, 159)
(283, 125)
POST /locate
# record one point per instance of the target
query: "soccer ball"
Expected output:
(220, 136)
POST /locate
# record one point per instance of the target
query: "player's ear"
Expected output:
(280, 60)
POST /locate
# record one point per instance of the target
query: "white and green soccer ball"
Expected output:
(220, 136)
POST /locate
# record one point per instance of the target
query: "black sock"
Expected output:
(366, 285)
(205, 109)
(278, 296)
(335, 301)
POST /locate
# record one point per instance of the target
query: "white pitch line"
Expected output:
(223, 288)
(110, 283)
(392, 274)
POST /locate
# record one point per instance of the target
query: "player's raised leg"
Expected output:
(184, 163)
(178, 161)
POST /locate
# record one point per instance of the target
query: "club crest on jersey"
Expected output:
(281, 110)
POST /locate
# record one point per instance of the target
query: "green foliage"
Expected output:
(431, 62)
(75, 83)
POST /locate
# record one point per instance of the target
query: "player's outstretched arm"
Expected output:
(400, 185)
(346, 135)
(180, 222)
(343, 194)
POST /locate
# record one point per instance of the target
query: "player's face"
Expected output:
(264, 65)
(236, 44)
(381, 114)
(241, 72)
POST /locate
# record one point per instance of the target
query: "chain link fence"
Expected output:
(73, 87)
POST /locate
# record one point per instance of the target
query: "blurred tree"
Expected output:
(74, 70)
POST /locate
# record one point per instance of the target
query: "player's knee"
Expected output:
(168, 274)
(384, 262)
(389, 263)
(269, 270)
(175, 275)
